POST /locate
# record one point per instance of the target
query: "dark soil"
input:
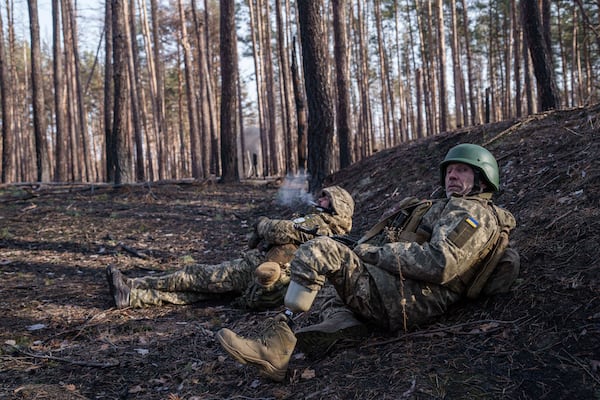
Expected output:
(61, 338)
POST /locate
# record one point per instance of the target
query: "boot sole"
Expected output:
(113, 274)
(264, 367)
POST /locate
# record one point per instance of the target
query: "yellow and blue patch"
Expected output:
(463, 231)
(473, 222)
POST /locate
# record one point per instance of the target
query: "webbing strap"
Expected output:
(409, 212)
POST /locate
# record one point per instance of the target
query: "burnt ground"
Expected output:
(60, 337)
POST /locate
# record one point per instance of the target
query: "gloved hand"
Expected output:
(367, 253)
(253, 240)
(255, 237)
(261, 225)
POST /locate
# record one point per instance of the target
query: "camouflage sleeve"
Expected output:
(277, 231)
(459, 236)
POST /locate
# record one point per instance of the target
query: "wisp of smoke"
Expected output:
(294, 192)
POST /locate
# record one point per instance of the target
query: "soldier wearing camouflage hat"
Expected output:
(405, 271)
(260, 277)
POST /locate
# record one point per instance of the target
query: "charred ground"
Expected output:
(60, 337)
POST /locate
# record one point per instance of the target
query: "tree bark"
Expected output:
(321, 122)
(8, 156)
(39, 118)
(190, 91)
(60, 167)
(342, 82)
(229, 74)
(121, 150)
(542, 64)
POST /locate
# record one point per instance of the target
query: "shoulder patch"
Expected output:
(463, 231)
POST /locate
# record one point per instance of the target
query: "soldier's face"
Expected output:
(323, 202)
(459, 179)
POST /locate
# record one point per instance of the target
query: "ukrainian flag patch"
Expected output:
(473, 222)
(463, 231)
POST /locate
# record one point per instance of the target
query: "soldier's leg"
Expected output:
(195, 282)
(324, 258)
(229, 276)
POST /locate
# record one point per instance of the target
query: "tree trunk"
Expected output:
(60, 168)
(300, 101)
(190, 91)
(385, 95)
(229, 73)
(286, 95)
(121, 151)
(163, 132)
(442, 66)
(321, 122)
(109, 132)
(516, 58)
(81, 118)
(473, 94)
(256, 33)
(274, 143)
(542, 64)
(342, 82)
(134, 98)
(39, 118)
(205, 90)
(8, 156)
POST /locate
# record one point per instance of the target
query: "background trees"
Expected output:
(139, 95)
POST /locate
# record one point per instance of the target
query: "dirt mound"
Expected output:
(60, 337)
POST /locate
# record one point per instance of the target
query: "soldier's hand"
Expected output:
(253, 240)
(261, 226)
(367, 253)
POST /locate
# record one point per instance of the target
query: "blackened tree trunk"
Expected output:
(542, 64)
(8, 156)
(39, 120)
(229, 78)
(321, 122)
(108, 95)
(300, 102)
(120, 149)
(60, 106)
(342, 82)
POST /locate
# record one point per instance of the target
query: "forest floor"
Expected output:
(61, 337)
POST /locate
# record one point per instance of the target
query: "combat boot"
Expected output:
(119, 289)
(270, 353)
(315, 340)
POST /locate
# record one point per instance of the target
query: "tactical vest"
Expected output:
(403, 226)
(403, 223)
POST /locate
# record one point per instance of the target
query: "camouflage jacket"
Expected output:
(457, 235)
(338, 222)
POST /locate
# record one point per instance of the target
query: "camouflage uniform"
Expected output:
(401, 284)
(236, 277)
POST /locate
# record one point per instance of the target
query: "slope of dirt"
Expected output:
(60, 338)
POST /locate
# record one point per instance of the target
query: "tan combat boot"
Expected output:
(315, 340)
(270, 353)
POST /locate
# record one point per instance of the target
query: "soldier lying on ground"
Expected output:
(260, 276)
(404, 272)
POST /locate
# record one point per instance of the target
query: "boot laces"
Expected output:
(269, 330)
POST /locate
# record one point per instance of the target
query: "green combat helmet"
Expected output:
(477, 157)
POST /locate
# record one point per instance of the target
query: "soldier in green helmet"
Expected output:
(403, 273)
(259, 278)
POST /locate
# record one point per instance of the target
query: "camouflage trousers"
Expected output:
(196, 282)
(373, 294)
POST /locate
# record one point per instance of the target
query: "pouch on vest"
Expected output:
(504, 275)
(407, 217)
(483, 272)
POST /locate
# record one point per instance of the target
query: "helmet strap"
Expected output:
(476, 181)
